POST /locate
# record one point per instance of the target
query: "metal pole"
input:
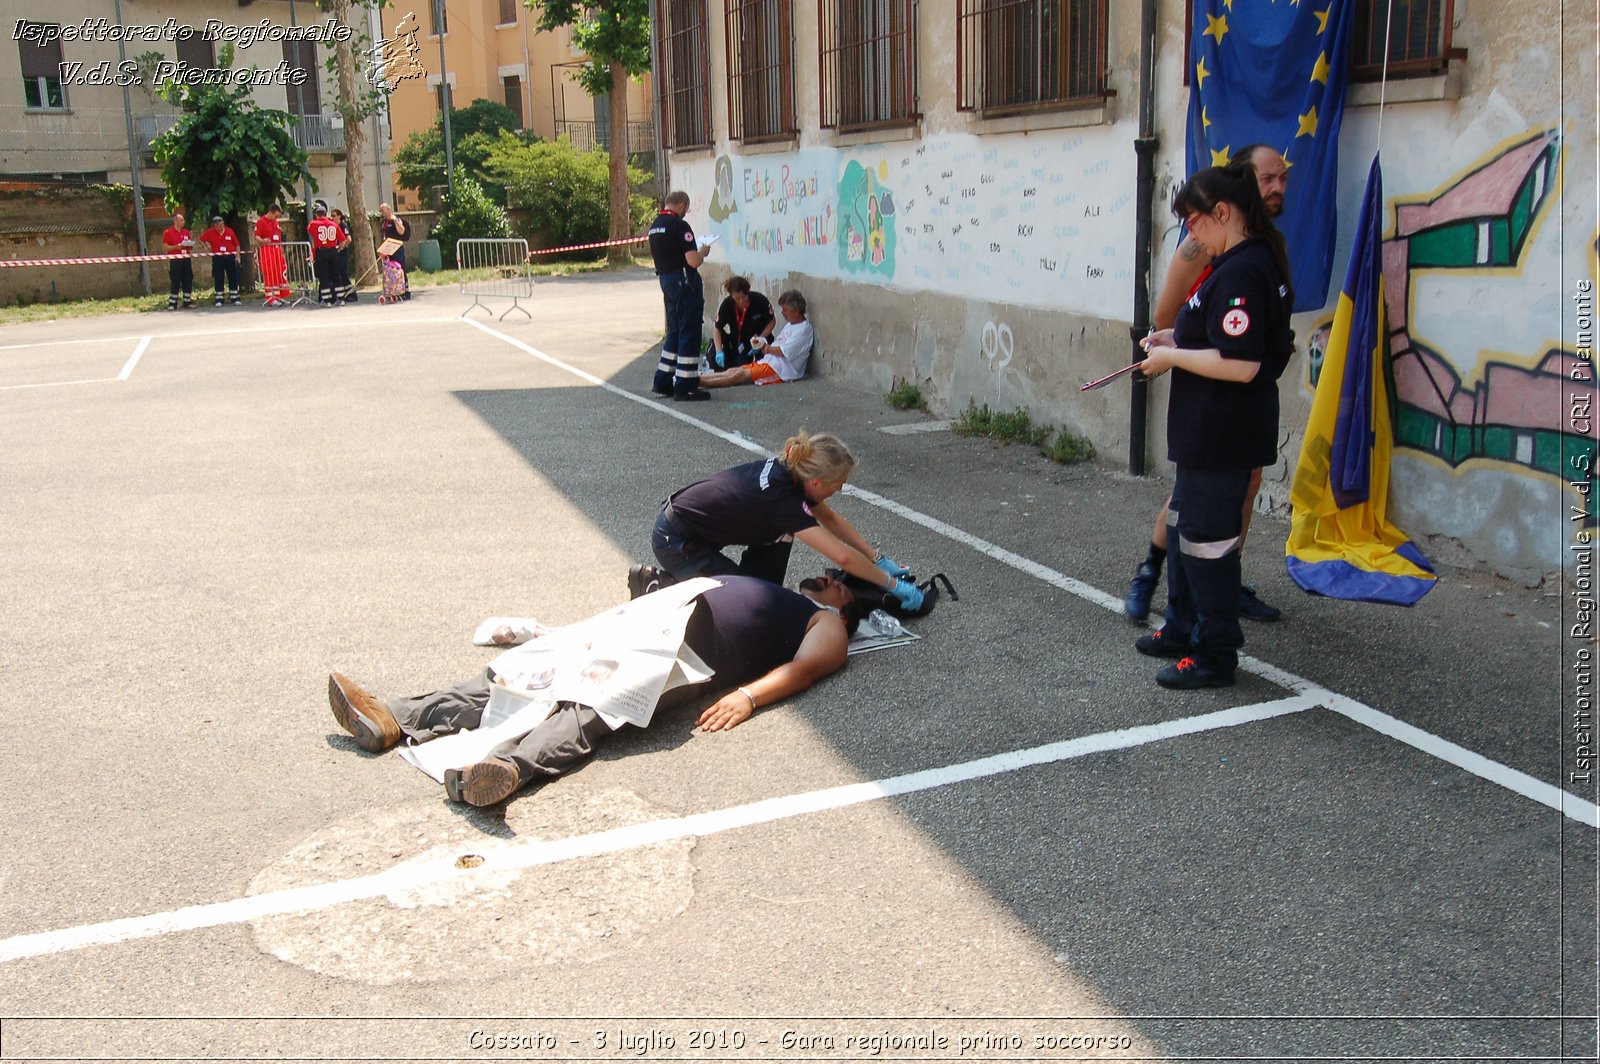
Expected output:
(1145, 186)
(300, 118)
(659, 157)
(445, 103)
(375, 29)
(133, 162)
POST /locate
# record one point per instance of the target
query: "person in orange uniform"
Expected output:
(269, 252)
(326, 239)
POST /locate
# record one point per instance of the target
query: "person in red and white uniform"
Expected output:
(326, 239)
(224, 245)
(180, 268)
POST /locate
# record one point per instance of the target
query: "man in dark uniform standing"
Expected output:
(678, 257)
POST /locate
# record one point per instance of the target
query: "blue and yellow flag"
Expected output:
(1341, 543)
(1274, 73)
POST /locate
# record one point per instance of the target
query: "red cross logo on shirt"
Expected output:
(1235, 322)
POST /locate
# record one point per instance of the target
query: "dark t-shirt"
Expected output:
(1242, 310)
(758, 502)
(735, 333)
(670, 236)
(748, 627)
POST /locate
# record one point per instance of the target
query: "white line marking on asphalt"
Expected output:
(278, 324)
(133, 359)
(535, 852)
(1578, 809)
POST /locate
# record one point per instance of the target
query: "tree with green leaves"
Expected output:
(561, 191)
(356, 102)
(419, 162)
(225, 155)
(616, 38)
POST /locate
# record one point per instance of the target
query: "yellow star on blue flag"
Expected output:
(1276, 74)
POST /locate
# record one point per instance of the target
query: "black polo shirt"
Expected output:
(747, 627)
(670, 237)
(754, 503)
(1242, 310)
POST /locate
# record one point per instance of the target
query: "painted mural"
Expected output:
(1508, 407)
(1040, 222)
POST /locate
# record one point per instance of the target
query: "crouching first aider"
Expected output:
(803, 638)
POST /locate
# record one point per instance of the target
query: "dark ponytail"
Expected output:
(1235, 184)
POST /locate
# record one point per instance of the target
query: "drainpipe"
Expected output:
(660, 165)
(1145, 187)
(134, 176)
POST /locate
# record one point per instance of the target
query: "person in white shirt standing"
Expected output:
(783, 358)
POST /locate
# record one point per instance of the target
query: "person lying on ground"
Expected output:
(802, 639)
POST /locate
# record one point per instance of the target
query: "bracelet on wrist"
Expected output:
(746, 692)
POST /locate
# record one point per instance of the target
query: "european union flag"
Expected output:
(1341, 542)
(1274, 72)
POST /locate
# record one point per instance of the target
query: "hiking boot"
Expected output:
(362, 715)
(1187, 674)
(1140, 590)
(485, 783)
(643, 579)
(1158, 644)
(1252, 607)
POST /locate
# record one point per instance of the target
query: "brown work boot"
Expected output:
(362, 715)
(485, 783)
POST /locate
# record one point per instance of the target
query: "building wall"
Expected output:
(90, 137)
(479, 51)
(992, 261)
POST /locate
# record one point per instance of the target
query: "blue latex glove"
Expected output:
(909, 594)
(890, 566)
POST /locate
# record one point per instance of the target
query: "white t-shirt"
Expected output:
(794, 340)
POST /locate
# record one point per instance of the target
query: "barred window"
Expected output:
(760, 69)
(1418, 35)
(1019, 55)
(685, 66)
(41, 69)
(869, 63)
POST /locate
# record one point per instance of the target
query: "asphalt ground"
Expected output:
(1003, 842)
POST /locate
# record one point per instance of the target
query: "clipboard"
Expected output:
(1108, 378)
(390, 246)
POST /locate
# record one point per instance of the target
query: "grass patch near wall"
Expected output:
(907, 396)
(1017, 426)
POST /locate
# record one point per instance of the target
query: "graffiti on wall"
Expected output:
(1040, 222)
(866, 220)
(1511, 410)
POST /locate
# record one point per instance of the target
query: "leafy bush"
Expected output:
(565, 192)
(906, 396)
(468, 213)
(474, 130)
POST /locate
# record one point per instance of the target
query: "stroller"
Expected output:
(394, 282)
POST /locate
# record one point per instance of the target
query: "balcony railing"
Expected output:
(312, 133)
(641, 135)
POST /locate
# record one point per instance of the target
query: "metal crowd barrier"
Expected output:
(298, 281)
(512, 277)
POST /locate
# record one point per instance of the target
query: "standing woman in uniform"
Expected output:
(1231, 343)
(764, 506)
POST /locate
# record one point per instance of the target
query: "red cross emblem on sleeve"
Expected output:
(1235, 322)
